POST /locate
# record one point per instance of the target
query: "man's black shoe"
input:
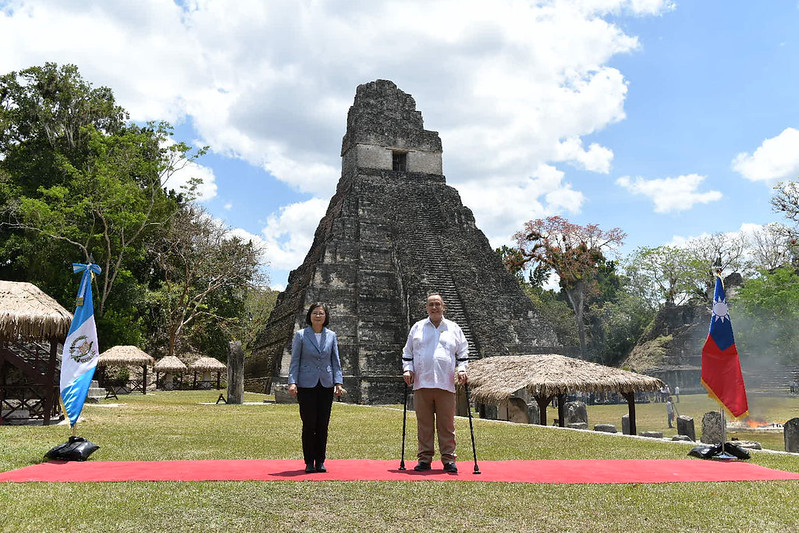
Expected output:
(451, 468)
(320, 467)
(422, 466)
(309, 468)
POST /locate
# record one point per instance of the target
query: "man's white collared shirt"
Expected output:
(434, 353)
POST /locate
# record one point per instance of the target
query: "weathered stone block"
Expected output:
(575, 412)
(517, 411)
(282, 394)
(712, 428)
(791, 435)
(533, 413)
(625, 424)
(685, 426)
(605, 428)
(577, 425)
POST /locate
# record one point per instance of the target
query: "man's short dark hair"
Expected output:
(434, 294)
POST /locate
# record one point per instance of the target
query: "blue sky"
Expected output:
(667, 119)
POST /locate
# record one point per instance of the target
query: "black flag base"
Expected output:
(75, 449)
(730, 452)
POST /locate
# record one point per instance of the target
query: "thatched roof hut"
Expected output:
(170, 364)
(27, 311)
(128, 356)
(207, 364)
(204, 365)
(124, 356)
(494, 379)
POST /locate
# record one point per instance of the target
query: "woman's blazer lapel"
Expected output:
(311, 336)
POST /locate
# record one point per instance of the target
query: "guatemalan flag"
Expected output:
(721, 369)
(79, 358)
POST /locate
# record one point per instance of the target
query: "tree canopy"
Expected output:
(573, 252)
(79, 183)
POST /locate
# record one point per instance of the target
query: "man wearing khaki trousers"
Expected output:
(435, 357)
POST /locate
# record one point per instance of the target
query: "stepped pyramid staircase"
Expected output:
(427, 250)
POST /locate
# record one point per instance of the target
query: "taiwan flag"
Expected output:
(721, 369)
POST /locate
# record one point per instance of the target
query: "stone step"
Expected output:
(95, 392)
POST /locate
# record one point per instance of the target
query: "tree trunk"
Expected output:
(235, 373)
(576, 297)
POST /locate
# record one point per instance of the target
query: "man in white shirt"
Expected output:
(435, 357)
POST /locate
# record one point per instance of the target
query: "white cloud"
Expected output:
(191, 170)
(671, 194)
(776, 159)
(512, 89)
(509, 204)
(257, 241)
(289, 233)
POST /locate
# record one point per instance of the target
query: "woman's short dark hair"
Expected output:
(314, 306)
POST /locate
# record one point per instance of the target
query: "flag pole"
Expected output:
(723, 453)
(78, 363)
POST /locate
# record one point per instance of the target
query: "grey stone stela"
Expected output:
(685, 426)
(791, 435)
(393, 233)
(712, 428)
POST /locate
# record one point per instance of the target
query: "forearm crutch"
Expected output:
(471, 428)
(404, 418)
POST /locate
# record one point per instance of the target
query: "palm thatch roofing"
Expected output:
(170, 364)
(123, 356)
(27, 311)
(494, 379)
(207, 364)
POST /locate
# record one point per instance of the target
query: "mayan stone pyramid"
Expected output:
(393, 233)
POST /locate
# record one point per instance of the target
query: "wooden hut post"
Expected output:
(542, 402)
(630, 397)
(144, 377)
(51, 382)
(235, 373)
(562, 410)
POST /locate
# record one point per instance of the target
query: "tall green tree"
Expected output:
(77, 183)
(618, 315)
(43, 113)
(207, 275)
(665, 274)
(109, 206)
(574, 253)
(772, 246)
(766, 314)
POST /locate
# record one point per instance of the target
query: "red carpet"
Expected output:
(576, 471)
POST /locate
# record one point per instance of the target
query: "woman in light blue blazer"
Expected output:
(314, 377)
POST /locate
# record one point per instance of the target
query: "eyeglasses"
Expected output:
(318, 313)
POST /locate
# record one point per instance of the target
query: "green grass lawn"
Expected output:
(175, 425)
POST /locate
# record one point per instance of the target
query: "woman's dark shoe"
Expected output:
(320, 466)
(309, 468)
